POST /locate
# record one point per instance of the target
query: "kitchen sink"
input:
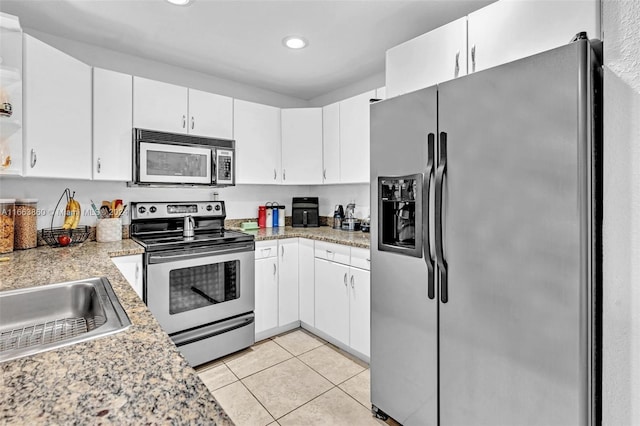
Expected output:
(39, 319)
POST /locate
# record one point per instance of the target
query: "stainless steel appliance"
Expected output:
(200, 288)
(161, 158)
(486, 246)
(304, 212)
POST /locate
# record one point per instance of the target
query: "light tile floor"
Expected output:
(292, 379)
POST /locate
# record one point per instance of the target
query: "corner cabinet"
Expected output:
(170, 108)
(354, 138)
(57, 113)
(256, 129)
(112, 123)
(331, 143)
(431, 58)
(301, 146)
(510, 29)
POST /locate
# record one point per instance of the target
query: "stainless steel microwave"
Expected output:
(173, 159)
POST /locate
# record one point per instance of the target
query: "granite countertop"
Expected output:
(322, 233)
(135, 376)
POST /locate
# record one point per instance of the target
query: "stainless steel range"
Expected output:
(198, 276)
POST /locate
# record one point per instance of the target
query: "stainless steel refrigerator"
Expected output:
(485, 246)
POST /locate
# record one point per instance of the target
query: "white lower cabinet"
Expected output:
(288, 281)
(332, 299)
(131, 268)
(306, 281)
(266, 286)
(342, 295)
(360, 310)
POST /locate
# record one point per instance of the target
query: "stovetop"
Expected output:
(167, 241)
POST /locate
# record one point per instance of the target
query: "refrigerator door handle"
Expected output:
(442, 263)
(426, 237)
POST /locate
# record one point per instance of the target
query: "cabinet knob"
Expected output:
(275, 174)
(184, 121)
(284, 174)
(34, 158)
(99, 165)
(193, 122)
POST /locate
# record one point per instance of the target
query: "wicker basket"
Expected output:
(78, 235)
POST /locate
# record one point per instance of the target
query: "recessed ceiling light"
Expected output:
(180, 2)
(294, 42)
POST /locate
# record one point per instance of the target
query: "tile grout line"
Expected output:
(259, 402)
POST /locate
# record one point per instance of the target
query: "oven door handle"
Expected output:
(195, 254)
(192, 336)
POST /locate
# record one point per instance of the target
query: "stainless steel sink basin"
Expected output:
(39, 319)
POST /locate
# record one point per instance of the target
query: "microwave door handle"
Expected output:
(426, 216)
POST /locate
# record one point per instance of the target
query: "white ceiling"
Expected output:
(241, 40)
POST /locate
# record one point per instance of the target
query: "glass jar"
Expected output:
(26, 223)
(7, 209)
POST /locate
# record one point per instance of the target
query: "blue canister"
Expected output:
(274, 216)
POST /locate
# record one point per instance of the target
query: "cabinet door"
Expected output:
(112, 123)
(360, 310)
(332, 299)
(57, 113)
(159, 106)
(266, 309)
(131, 268)
(256, 129)
(302, 146)
(210, 115)
(331, 143)
(354, 138)
(306, 281)
(532, 27)
(431, 58)
(288, 281)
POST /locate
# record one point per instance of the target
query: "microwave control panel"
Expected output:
(224, 167)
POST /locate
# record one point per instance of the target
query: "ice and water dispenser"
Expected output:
(400, 214)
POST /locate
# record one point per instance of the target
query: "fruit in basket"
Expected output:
(64, 240)
(72, 214)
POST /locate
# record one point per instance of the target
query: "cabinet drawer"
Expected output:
(332, 252)
(266, 249)
(360, 258)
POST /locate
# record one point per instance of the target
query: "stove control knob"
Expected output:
(217, 207)
(152, 209)
(142, 210)
(209, 208)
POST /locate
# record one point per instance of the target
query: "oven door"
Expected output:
(179, 164)
(190, 288)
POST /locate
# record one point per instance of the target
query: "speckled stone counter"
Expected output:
(322, 233)
(136, 376)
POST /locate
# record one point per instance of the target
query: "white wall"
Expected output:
(621, 299)
(134, 65)
(372, 82)
(241, 201)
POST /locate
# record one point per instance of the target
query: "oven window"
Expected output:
(201, 286)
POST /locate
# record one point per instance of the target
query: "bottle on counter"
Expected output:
(25, 224)
(7, 214)
(281, 214)
(269, 221)
(262, 216)
(275, 216)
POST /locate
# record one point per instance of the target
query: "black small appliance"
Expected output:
(304, 212)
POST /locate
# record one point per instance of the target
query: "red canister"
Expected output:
(262, 216)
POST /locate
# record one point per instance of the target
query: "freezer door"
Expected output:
(514, 332)
(403, 318)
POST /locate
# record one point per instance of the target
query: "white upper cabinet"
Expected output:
(354, 138)
(112, 123)
(331, 143)
(511, 29)
(57, 113)
(210, 115)
(170, 108)
(159, 106)
(431, 58)
(256, 129)
(302, 146)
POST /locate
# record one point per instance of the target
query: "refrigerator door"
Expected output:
(403, 318)
(514, 333)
